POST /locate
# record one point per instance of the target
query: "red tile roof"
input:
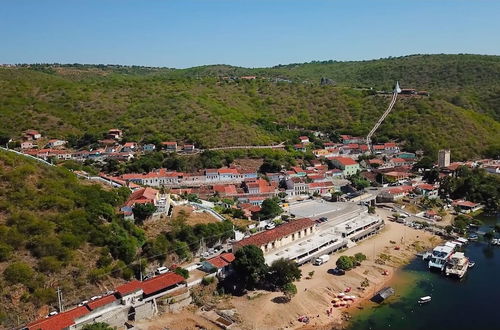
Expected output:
(101, 302)
(222, 260)
(129, 287)
(144, 195)
(344, 160)
(464, 203)
(161, 282)
(398, 160)
(169, 143)
(59, 321)
(278, 232)
(229, 257)
(228, 171)
(426, 186)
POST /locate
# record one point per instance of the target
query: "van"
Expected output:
(161, 270)
(321, 260)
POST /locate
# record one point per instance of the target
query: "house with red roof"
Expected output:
(115, 133)
(321, 188)
(55, 143)
(300, 147)
(399, 161)
(304, 139)
(464, 206)
(32, 135)
(188, 148)
(225, 189)
(393, 194)
(427, 190)
(397, 175)
(348, 165)
(170, 146)
(130, 147)
(60, 321)
(270, 240)
(220, 264)
(162, 283)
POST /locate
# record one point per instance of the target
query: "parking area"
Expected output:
(319, 208)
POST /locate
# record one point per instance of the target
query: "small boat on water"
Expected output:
(471, 263)
(424, 300)
(473, 237)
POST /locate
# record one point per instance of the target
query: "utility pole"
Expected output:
(60, 300)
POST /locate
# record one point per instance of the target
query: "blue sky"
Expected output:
(241, 32)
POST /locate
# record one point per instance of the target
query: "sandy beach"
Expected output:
(395, 246)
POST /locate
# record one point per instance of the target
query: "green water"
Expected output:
(470, 303)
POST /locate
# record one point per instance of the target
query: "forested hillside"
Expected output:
(54, 230)
(197, 105)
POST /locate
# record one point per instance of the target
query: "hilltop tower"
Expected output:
(444, 157)
(397, 89)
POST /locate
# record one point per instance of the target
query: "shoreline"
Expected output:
(259, 309)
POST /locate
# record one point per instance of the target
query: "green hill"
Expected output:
(196, 105)
(54, 229)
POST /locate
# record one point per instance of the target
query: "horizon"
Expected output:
(250, 34)
(243, 67)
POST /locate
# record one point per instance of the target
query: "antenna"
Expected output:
(60, 300)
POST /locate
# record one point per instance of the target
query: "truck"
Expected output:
(321, 260)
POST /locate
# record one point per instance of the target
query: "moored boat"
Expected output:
(440, 256)
(424, 300)
(457, 265)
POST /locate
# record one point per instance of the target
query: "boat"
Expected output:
(440, 256)
(457, 265)
(424, 300)
(383, 294)
(473, 237)
(471, 263)
(462, 240)
(426, 255)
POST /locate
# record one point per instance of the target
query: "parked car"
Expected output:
(161, 270)
(337, 271)
(323, 219)
(270, 226)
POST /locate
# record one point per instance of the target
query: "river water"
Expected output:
(470, 303)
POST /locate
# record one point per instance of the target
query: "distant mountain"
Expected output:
(205, 105)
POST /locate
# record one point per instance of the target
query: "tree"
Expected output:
(283, 271)
(97, 326)
(143, 211)
(289, 290)
(269, 209)
(18, 272)
(488, 235)
(345, 262)
(250, 266)
(371, 209)
(182, 272)
(359, 257)
(431, 176)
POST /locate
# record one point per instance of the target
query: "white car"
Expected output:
(270, 226)
(161, 270)
(95, 298)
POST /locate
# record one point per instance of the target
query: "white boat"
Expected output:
(462, 240)
(424, 300)
(457, 265)
(440, 256)
(471, 263)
